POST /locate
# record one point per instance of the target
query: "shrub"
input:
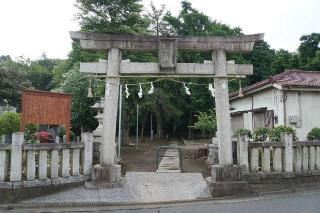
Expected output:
(62, 132)
(275, 133)
(42, 136)
(29, 131)
(206, 122)
(9, 123)
(243, 131)
(261, 134)
(314, 134)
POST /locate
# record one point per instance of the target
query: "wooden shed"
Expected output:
(41, 107)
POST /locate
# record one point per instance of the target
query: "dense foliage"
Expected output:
(9, 123)
(29, 131)
(261, 134)
(314, 134)
(243, 131)
(275, 133)
(206, 122)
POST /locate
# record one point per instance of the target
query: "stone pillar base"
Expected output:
(228, 188)
(105, 177)
(225, 181)
(226, 173)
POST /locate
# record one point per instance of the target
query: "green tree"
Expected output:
(314, 63)
(82, 115)
(9, 123)
(191, 22)
(111, 16)
(262, 58)
(206, 122)
(158, 26)
(283, 59)
(39, 76)
(13, 78)
(4, 58)
(309, 46)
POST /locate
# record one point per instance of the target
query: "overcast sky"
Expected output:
(31, 27)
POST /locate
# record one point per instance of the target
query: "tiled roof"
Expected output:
(288, 78)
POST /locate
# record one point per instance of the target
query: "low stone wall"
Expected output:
(37, 165)
(298, 157)
(268, 166)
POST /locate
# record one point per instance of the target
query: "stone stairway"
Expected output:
(170, 161)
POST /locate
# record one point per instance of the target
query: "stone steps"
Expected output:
(170, 163)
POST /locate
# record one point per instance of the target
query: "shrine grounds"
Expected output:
(143, 159)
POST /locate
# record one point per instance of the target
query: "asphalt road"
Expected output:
(301, 202)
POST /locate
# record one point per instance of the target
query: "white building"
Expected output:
(291, 98)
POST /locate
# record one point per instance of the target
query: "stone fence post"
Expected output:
(87, 139)
(16, 156)
(3, 162)
(288, 152)
(243, 159)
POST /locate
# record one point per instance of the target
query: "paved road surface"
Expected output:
(302, 202)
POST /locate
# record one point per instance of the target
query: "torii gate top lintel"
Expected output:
(98, 41)
(167, 51)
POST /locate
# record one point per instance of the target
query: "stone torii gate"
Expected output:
(115, 68)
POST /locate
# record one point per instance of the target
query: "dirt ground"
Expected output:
(143, 159)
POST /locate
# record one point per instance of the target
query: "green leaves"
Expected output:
(206, 122)
(82, 115)
(243, 131)
(111, 16)
(309, 46)
(314, 134)
(275, 133)
(261, 134)
(13, 78)
(9, 123)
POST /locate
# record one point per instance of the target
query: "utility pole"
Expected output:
(119, 122)
(151, 131)
(137, 128)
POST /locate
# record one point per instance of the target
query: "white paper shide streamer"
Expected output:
(140, 91)
(127, 91)
(186, 89)
(151, 88)
(212, 90)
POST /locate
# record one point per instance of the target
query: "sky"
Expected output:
(31, 27)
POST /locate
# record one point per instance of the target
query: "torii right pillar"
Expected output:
(226, 177)
(222, 108)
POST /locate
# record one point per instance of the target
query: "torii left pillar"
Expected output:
(108, 173)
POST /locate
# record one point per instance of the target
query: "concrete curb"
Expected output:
(130, 206)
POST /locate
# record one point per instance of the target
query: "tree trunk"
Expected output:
(125, 135)
(159, 127)
(190, 132)
(143, 125)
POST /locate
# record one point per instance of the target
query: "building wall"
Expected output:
(270, 98)
(306, 107)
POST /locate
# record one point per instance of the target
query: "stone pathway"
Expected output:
(170, 161)
(139, 187)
